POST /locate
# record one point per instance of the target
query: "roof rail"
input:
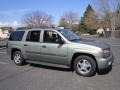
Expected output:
(42, 27)
(22, 28)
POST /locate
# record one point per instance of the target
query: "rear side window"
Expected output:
(33, 36)
(16, 35)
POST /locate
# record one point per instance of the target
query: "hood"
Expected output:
(93, 43)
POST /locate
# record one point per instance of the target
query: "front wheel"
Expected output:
(18, 58)
(85, 66)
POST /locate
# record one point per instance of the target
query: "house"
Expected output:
(5, 32)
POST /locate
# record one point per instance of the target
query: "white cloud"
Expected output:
(11, 17)
(13, 12)
(13, 24)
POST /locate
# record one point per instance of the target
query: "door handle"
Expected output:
(43, 46)
(25, 45)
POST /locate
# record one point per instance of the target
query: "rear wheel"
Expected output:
(85, 66)
(18, 58)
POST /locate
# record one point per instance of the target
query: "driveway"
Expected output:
(40, 77)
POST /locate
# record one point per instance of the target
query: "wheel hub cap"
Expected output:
(17, 58)
(84, 66)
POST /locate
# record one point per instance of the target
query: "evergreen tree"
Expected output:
(82, 26)
(89, 21)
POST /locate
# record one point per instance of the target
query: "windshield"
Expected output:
(69, 34)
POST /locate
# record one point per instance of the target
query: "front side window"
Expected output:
(50, 37)
(33, 36)
(16, 35)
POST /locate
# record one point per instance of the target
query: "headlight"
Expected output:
(105, 53)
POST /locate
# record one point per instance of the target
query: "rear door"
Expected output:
(32, 45)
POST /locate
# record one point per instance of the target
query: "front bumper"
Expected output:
(104, 63)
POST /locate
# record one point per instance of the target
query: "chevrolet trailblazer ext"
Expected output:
(59, 46)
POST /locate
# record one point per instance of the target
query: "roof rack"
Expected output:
(22, 28)
(42, 27)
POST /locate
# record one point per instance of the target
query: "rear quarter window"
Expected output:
(16, 36)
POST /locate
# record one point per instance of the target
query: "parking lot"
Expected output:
(40, 77)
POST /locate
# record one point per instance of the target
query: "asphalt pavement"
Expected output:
(40, 77)
(3, 44)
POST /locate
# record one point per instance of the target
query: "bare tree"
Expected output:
(112, 15)
(37, 19)
(69, 19)
(107, 15)
(117, 14)
(63, 22)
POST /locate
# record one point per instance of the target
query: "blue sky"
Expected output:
(14, 10)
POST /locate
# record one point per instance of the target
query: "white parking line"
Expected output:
(4, 63)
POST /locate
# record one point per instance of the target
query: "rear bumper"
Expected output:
(104, 63)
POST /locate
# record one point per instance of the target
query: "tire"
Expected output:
(18, 58)
(85, 66)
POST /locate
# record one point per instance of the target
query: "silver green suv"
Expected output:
(59, 47)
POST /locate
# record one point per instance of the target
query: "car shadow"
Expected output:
(99, 72)
(104, 71)
(51, 67)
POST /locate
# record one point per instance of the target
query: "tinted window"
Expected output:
(50, 37)
(16, 35)
(69, 34)
(33, 36)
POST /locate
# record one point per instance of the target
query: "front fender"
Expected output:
(92, 52)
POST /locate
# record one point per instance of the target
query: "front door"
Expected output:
(51, 50)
